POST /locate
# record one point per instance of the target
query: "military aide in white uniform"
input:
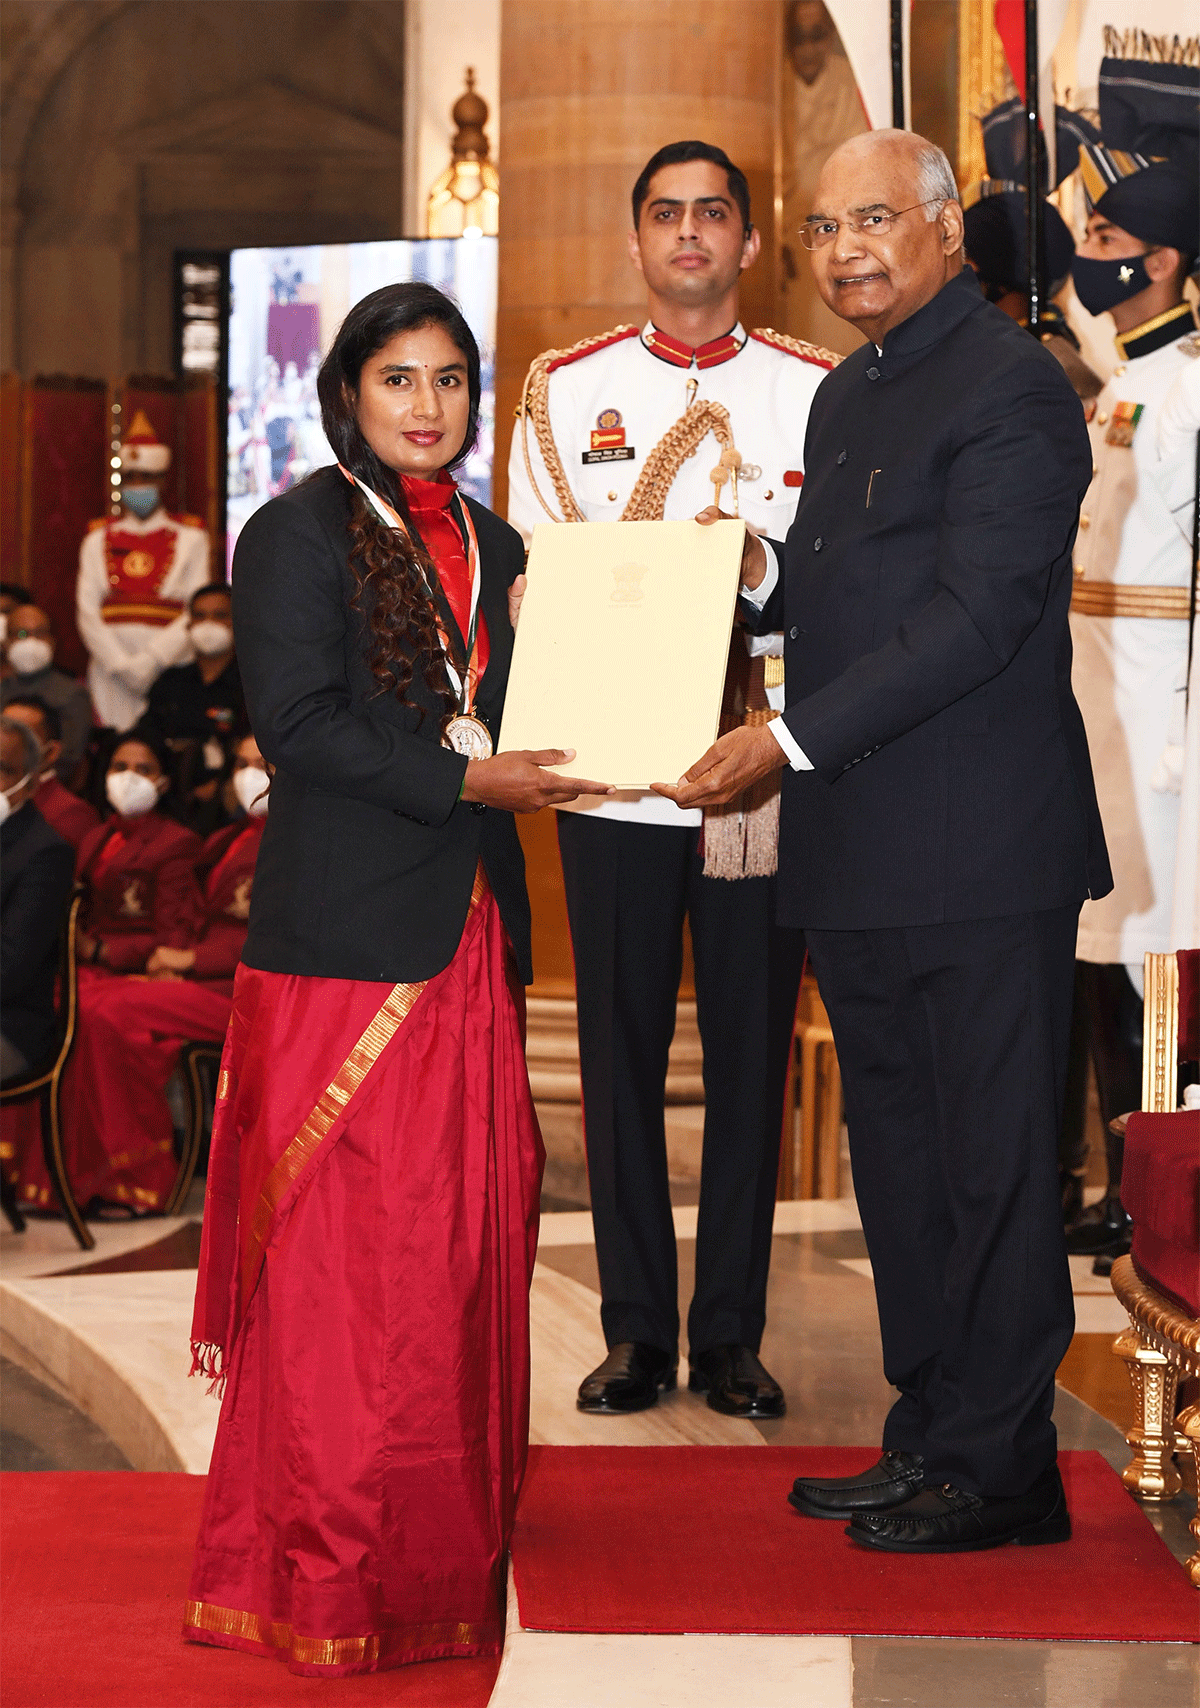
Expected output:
(631, 863)
(136, 575)
(1129, 622)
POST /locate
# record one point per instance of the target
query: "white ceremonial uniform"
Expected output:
(1175, 475)
(767, 389)
(127, 654)
(1128, 669)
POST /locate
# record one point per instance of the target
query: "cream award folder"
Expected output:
(621, 646)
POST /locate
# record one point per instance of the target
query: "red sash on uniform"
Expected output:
(137, 565)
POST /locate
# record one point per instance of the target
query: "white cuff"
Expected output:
(796, 756)
(758, 596)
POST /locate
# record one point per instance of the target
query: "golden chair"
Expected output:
(45, 1082)
(815, 1085)
(1161, 1346)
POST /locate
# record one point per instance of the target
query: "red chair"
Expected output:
(1159, 1282)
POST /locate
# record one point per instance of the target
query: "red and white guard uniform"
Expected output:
(135, 579)
(609, 407)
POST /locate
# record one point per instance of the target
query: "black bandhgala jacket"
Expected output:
(368, 858)
(927, 652)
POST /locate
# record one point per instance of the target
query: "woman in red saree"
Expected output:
(372, 1205)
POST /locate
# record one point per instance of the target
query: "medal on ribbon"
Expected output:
(464, 732)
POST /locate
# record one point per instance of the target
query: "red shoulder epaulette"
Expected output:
(185, 519)
(799, 347)
(617, 336)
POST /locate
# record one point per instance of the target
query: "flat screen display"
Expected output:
(285, 308)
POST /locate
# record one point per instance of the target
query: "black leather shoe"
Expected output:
(945, 1520)
(1105, 1230)
(630, 1379)
(893, 1479)
(735, 1382)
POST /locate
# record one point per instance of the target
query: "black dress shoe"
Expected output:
(1105, 1230)
(630, 1379)
(893, 1479)
(945, 1520)
(735, 1382)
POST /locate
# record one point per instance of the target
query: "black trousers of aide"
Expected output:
(629, 887)
(953, 1045)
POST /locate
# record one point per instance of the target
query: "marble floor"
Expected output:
(95, 1377)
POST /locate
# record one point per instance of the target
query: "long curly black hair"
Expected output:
(392, 574)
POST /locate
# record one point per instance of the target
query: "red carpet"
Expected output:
(668, 1539)
(95, 1574)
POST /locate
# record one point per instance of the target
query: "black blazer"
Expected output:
(37, 874)
(368, 858)
(928, 657)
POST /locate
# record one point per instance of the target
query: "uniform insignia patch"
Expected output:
(1123, 426)
(608, 433)
(608, 440)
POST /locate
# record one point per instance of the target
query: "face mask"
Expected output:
(248, 784)
(130, 793)
(1105, 284)
(142, 500)
(6, 805)
(29, 655)
(211, 637)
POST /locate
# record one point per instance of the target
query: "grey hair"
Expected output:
(935, 178)
(29, 742)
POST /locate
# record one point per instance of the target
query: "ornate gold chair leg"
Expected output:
(1187, 1426)
(1151, 1472)
(808, 1115)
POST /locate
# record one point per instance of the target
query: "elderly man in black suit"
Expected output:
(939, 833)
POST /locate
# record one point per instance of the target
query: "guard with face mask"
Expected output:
(1130, 614)
(137, 570)
(37, 869)
(198, 709)
(29, 669)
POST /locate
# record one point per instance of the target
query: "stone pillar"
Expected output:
(589, 90)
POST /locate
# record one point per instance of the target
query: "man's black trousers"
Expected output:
(953, 1044)
(629, 887)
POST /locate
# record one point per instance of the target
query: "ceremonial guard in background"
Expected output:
(1129, 623)
(618, 428)
(136, 575)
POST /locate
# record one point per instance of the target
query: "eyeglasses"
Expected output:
(818, 233)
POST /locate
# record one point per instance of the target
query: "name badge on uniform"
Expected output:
(1123, 426)
(608, 440)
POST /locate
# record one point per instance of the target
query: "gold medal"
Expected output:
(466, 735)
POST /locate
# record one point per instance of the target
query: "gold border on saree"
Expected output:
(332, 1651)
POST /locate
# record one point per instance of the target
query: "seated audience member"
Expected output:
(198, 708)
(63, 811)
(37, 873)
(137, 866)
(131, 1029)
(29, 668)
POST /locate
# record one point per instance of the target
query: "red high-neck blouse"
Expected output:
(429, 501)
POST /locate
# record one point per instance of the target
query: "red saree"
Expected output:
(369, 1238)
